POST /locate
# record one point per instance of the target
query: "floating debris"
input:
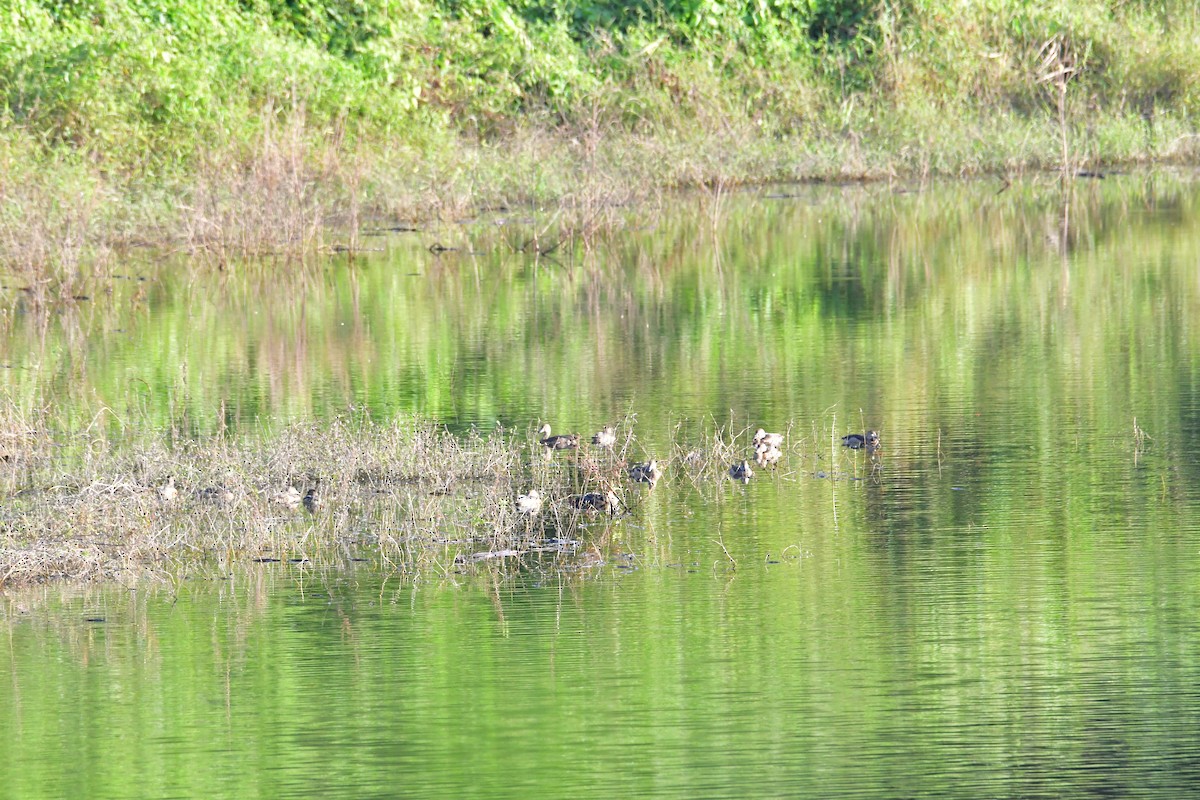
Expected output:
(488, 555)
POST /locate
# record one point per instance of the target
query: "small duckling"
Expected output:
(530, 503)
(857, 441)
(741, 472)
(767, 456)
(645, 473)
(289, 497)
(607, 437)
(564, 441)
(167, 492)
(761, 437)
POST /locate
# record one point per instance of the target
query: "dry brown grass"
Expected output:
(407, 497)
(52, 226)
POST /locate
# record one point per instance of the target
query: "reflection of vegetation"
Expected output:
(850, 294)
(987, 335)
(1023, 552)
(1000, 636)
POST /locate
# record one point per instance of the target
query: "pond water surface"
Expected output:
(1003, 602)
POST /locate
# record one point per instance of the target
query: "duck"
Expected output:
(289, 497)
(767, 455)
(564, 441)
(741, 472)
(214, 494)
(313, 500)
(857, 441)
(530, 503)
(761, 437)
(607, 437)
(597, 501)
(167, 492)
(646, 473)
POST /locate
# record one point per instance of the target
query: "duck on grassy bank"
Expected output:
(288, 498)
(767, 455)
(597, 501)
(761, 437)
(313, 501)
(215, 494)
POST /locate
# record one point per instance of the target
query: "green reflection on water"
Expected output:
(996, 667)
(1005, 605)
(916, 308)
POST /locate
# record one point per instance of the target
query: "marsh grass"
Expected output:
(406, 497)
(703, 456)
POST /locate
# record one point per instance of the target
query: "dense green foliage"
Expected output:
(164, 78)
(425, 107)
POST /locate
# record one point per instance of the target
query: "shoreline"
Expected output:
(232, 132)
(74, 222)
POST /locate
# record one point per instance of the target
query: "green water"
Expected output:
(1004, 603)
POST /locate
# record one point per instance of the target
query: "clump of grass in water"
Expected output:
(706, 457)
(409, 496)
(406, 494)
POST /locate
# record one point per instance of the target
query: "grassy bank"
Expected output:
(256, 126)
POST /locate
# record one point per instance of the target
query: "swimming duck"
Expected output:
(530, 503)
(607, 437)
(597, 501)
(767, 455)
(645, 473)
(856, 441)
(564, 441)
(741, 472)
(761, 437)
(167, 492)
(289, 497)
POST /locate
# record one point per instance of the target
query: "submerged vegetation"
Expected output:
(251, 126)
